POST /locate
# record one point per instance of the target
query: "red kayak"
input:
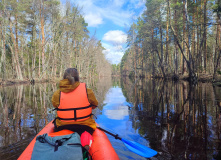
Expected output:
(101, 147)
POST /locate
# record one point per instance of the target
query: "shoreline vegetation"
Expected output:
(38, 42)
(179, 41)
(205, 78)
(10, 82)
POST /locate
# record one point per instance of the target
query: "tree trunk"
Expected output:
(162, 58)
(134, 51)
(2, 62)
(198, 39)
(39, 63)
(43, 36)
(16, 59)
(161, 63)
(217, 57)
(68, 60)
(184, 37)
(193, 47)
(135, 61)
(161, 44)
(167, 38)
(142, 62)
(153, 61)
(3, 50)
(192, 75)
(34, 51)
(205, 36)
(176, 32)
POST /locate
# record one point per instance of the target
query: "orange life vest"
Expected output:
(74, 106)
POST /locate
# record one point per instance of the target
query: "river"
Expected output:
(177, 120)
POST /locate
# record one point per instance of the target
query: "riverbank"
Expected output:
(10, 82)
(201, 78)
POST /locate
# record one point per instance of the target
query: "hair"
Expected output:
(72, 75)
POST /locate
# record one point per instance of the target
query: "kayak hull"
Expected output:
(101, 147)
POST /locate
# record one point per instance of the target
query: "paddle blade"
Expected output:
(139, 149)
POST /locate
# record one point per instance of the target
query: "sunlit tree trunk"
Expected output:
(15, 54)
(41, 12)
(2, 41)
(34, 52)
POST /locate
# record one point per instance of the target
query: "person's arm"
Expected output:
(55, 98)
(91, 98)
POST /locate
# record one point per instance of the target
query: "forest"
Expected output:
(172, 39)
(175, 39)
(41, 38)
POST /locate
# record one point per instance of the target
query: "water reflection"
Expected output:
(115, 108)
(116, 112)
(26, 109)
(180, 121)
(177, 120)
(115, 117)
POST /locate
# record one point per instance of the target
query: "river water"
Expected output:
(177, 120)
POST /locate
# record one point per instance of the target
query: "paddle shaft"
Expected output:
(114, 135)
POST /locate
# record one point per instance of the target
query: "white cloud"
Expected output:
(113, 53)
(118, 3)
(116, 13)
(93, 20)
(114, 57)
(119, 12)
(115, 37)
(140, 3)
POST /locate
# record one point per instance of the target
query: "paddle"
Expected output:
(134, 146)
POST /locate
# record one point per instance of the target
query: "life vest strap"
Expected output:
(69, 109)
(67, 119)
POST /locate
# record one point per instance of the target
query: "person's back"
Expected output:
(74, 103)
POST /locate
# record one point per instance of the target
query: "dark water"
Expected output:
(175, 119)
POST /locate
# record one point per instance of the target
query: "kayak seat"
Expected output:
(60, 133)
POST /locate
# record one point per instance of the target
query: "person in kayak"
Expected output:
(74, 103)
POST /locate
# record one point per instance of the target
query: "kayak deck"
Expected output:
(101, 147)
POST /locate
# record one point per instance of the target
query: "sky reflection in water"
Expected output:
(177, 120)
(115, 118)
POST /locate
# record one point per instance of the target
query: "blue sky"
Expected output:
(110, 19)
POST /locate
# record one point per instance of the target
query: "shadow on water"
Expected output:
(177, 120)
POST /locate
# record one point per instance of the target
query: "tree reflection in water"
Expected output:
(179, 120)
(26, 109)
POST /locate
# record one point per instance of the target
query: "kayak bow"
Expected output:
(101, 147)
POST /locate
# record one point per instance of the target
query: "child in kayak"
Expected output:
(74, 103)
